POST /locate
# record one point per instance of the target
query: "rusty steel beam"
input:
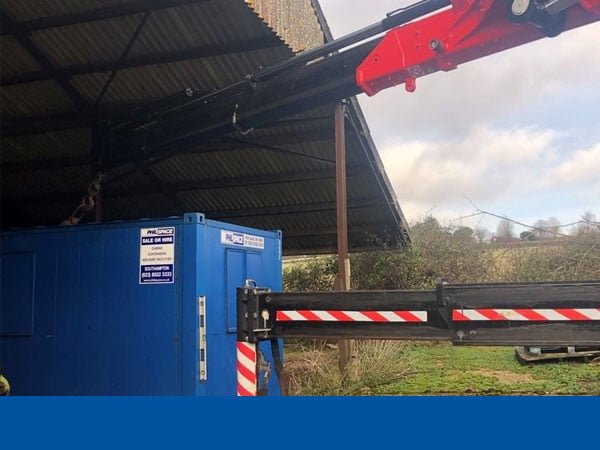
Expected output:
(343, 279)
(341, 194)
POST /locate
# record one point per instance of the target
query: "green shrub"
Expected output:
(315, 274)
(456, 255)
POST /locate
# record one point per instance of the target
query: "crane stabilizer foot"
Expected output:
(529, 355)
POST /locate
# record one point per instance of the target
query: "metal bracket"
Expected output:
(237, 125)
(255, 317)
(251, 88)
(440, 291)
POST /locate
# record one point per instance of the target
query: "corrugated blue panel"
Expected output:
(16, 315)
(78, 321)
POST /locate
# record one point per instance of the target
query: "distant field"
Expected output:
(392, 368)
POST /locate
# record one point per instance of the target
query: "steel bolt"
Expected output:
(435, 45)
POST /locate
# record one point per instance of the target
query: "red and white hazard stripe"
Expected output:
(534, 315)
(351, 316)
(246, 369)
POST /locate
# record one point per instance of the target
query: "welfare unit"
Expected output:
(129, 308)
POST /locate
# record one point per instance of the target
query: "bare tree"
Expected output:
(588, 224)
(542, 228)
(547, 228)
(482, 234)
(553, 225)
(505, 231)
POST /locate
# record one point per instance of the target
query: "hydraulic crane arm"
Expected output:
(423, 38)
(469, 30)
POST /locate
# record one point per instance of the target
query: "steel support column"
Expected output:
(343, 279)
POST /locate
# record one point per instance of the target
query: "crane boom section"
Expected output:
(469, 30)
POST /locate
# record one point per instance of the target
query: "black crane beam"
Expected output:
(529, 314)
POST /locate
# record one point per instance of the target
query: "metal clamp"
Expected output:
(255, 317)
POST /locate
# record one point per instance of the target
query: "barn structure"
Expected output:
(72, 69)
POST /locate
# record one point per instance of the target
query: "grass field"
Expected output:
(396, 368)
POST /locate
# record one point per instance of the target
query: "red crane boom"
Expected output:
(469, 30)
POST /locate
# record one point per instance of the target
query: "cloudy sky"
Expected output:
(517, 132)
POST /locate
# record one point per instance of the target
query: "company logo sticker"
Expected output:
(242, 240)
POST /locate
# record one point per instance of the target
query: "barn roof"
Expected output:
(68, 65)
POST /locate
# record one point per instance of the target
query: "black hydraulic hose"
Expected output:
(398, 18)
(230, 95)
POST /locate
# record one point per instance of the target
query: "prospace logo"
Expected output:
(242, 240)
(232, 238)
(159, 231)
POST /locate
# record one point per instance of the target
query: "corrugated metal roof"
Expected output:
(29, 10)
(16, 185)
(33, 99)
(14, 59)
(72, 142)
(295, 22)
(78, 44)
(104, 60)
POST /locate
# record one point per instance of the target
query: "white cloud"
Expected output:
(583, 166)
(493, 167)
(486, 162)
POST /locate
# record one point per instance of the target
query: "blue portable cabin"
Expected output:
(114, 309)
